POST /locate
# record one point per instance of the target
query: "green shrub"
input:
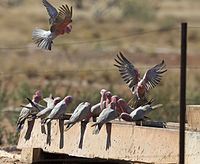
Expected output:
(141, 10)
(13, 138)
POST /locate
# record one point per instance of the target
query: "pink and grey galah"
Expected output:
(124, 106)
(139, 114)
(50, 105)
(139, 86)
(108, 114)
(60, 23)
(81, 113)
(59, 110)
(29, 110)
(97, 108)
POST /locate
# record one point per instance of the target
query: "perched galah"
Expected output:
(139, 114)
(97, 108)
(42, 114)
(131, 76)
(49, 100)
(81, 113)
(59, 110)
(124, 106)
(108, 95)
(60, 22)
(108, 114)
(28, 112)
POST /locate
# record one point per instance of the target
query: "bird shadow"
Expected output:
(61, 128)
(108, 131)
(48, 141)
(29, 129)
(83, 127)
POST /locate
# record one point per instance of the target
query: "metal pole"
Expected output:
(183, 92)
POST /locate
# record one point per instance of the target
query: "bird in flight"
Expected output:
(60, 23)
(139, 86)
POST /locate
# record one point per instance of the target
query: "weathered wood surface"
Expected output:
(128, 142)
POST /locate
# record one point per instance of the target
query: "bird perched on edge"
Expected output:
(60, 23)
(139, 114)
(108, 114)
(139, 86)
(81, 113)
(97, 108)
(28, 110)
(59, 110)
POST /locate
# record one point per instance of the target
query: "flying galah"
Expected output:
(139, 86)
(81, 113)
(59, 110)
(27, 112)
(60, 23)
(139, 113)
(108, 114)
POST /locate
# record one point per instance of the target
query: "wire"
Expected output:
(90, 70)
(95, 40)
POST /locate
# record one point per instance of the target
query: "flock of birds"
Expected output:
(110, 106)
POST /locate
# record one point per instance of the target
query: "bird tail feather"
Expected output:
(97, 129)
(42, 38)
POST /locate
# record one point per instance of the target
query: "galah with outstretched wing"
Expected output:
(29, 110)
(60, 22)
(139, 113)
(108, 114)
(81, 113)
(59, 110)
(139, 86)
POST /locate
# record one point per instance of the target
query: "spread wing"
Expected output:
(152, 77)
(64, 14)
(127, 70)
(51, 11)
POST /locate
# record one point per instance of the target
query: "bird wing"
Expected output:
(127, 70)
(152, 77)
(63, 18)
(64, 14)
(50, 9)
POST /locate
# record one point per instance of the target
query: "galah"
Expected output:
(60, 23)
(29, 110)
(139, 86)
(49, 100)
(124, 106)
(59, 110)
(81, 113)
(108, 114)
(97, 108)
(42, 114)
(108, 95)
(139, 114)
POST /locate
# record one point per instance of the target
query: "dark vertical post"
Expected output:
(183, 93)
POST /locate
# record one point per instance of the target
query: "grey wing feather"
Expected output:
(153, 76)
(51, 10)
(127, 70)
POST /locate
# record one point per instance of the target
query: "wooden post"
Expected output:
(183, 92)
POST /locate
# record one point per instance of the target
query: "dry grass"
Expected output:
(81, 63)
